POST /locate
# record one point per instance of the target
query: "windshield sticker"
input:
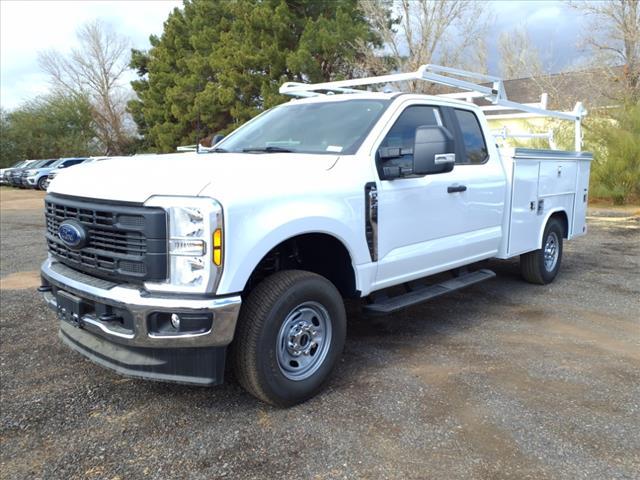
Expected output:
(334, 148)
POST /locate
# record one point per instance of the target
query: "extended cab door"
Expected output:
(433, 223)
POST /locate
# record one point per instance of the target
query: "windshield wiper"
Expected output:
(269, 149)
(219, 150)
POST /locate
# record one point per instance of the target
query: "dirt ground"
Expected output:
(503, 380)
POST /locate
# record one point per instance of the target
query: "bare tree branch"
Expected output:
(95, 69)
(613, 38)
(519, 58)
(447, 32)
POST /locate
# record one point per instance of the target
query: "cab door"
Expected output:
(433, 223)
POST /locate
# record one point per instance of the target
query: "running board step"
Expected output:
(385, 305)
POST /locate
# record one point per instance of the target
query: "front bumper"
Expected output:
(132, 348)
(31, 181)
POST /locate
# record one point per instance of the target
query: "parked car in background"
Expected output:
(59, 166)
(14, 177)
(31, 175)
(4, 172)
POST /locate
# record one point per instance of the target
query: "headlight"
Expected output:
(31, 172)
(194, 243)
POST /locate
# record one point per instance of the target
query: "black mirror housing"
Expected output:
(433, 150)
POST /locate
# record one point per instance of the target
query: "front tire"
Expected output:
(542, 266)
(290, 334)
(41, 183)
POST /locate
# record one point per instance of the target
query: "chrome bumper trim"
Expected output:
(225, 312)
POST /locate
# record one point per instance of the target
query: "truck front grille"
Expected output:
(124, 242)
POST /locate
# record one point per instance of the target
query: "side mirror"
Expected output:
(433, 150)
(216, 139)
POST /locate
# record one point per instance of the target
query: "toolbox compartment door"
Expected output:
(524, 223)
(579, 223)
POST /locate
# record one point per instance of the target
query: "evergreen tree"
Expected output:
(614, 137)
(218, 64)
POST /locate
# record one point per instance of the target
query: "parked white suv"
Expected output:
(163, 266)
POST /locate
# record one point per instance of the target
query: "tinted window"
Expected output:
(473, 139)
(70, 163)
(402, 135)
(403, 132)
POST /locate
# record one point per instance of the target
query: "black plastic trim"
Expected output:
(117, 249)
(197, 366)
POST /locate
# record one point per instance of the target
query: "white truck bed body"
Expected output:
(542, 183)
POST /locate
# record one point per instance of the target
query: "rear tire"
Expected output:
(542, 266)
(290, 334)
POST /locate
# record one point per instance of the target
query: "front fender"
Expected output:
(248, 242)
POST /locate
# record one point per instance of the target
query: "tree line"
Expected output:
(218, 64)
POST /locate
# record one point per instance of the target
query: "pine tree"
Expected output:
(218, 64)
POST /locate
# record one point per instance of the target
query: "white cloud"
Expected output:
(28, 27)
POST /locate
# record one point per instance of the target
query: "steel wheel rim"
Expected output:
(551, 252)
(303, 341)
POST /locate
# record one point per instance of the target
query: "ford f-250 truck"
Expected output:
(167, 267)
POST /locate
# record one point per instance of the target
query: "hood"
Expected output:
(135, 179)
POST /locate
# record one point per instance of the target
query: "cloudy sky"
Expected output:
(27, 27)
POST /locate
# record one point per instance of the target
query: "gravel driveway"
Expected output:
(503, 380)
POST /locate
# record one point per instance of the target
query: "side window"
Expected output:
(474, 144)
(403, 131)
(402, 135)
(70, 163)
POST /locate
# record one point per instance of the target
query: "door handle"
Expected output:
(456, 188)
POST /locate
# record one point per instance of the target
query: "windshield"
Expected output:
(327, 127)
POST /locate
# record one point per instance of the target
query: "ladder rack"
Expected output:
(473, 85)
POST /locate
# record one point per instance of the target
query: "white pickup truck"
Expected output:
(165, 266)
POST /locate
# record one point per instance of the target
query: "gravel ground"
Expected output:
(504, 380)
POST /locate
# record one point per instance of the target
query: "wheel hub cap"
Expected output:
(303, 340)
(551, 252)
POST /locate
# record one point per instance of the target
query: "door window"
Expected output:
(402, 135)
(474, 144)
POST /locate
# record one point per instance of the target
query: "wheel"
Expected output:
(289, 336)
(41, 183)
(541, 266)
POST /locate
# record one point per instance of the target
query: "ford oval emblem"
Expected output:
(72, 233)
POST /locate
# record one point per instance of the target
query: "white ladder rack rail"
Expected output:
(505, 133)
(496, 94)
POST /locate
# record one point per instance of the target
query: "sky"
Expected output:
(554, 28)
(27, 27)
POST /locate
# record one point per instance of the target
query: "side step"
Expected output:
(385, 305)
